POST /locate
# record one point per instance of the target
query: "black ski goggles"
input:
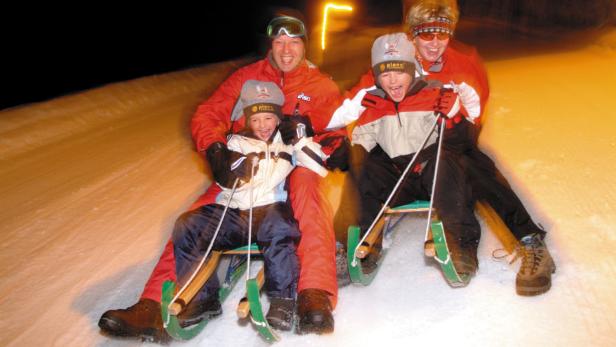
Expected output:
(289, 26)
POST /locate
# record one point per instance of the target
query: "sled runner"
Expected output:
(435, 246)
(362, 269)
(229, 266)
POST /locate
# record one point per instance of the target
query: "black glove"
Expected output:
(228, 165)
(240, 165)
(218, 155)
(339, 158)
(289, 125)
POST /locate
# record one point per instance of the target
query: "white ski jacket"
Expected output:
(276, 162)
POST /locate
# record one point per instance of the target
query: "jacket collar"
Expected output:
(436, 66)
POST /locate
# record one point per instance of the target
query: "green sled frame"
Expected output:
(444, 258)
(235, 268)
(361, 276)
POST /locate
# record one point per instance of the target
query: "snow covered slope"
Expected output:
(91, 183)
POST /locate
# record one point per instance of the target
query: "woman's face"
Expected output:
(431, 46)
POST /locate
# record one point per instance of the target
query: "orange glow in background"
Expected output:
(326, 9)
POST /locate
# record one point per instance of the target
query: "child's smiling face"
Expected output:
(263, 125)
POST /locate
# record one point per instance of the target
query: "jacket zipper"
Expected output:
(398, 114)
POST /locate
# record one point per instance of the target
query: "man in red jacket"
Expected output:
(309, 98)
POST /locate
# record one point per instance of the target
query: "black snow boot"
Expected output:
(342, 266)
(196, 311)
(535, 274)
(464, 258)
(314, 312)
(280, 313)
(142, 320)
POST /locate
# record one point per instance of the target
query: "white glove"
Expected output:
(309, 155)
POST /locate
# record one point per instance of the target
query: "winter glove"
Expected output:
(309, 155)
(470, 100)
(447, 106)
(241, 165)
(228, 165)
(339, 158)
(292, 128)
(218, 155)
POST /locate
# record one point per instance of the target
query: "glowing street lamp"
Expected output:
(332, 6)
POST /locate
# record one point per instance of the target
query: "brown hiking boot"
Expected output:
(535, 274)
(142, 320)
(314, 312)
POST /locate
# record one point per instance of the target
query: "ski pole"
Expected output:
(436, 165)
(391, 195)
(254, 163)
(209, 249)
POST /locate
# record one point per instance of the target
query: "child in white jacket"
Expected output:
(260, 165)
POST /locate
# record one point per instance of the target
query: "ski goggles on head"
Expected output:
(289, 26)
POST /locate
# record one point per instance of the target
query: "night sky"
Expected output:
(48, 52)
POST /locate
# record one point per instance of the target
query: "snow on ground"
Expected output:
(91, 183)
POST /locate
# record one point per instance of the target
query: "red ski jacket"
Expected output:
(461, 64)
(314, 93)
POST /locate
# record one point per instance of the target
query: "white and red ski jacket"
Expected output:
(276, 161)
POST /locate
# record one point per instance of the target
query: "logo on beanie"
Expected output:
(263, 108)
(262, 92)
(382, 67)
(391, 48)
(395, 65)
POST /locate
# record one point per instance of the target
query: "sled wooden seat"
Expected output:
(377, 232)
(205, 273)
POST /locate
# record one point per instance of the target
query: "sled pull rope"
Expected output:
(393, 191)
(207, 252)
(436, 165)
(255, 161)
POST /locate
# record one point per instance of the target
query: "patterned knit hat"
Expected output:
(258, 96)
(434, 25)
(393, 52)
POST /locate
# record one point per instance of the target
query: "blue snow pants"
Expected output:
(274, 230)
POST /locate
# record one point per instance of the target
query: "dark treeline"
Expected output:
(542, 13)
